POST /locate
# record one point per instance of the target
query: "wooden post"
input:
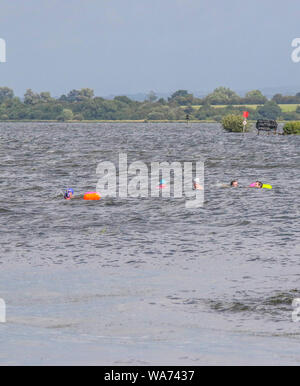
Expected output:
(187, 119)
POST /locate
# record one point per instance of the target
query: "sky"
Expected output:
(123, 47)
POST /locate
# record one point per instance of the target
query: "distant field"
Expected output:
(288, 108)
(285, 108)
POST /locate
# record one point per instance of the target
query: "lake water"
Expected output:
(147, 281)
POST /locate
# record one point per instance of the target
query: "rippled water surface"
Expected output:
(147, 281)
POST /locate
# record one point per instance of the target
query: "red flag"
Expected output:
(246, 114)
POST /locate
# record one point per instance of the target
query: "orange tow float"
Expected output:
(92, 196)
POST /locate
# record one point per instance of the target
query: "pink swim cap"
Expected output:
(253, 185)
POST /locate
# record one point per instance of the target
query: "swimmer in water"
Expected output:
(196, 184)
(256, 184)
(69, 194)
(162, 184)
(234, 184)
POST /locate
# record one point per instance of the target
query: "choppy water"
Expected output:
(147, 281)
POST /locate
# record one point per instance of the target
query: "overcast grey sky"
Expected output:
(128, 46)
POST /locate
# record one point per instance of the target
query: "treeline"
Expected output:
(84, 105)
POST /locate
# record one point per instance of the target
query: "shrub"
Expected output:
(156, 116)
(234, 123)
(67, 115)
(78, 117)
(218, 118)
(270, 110)
(292, 128)
(290, 116)
(205, 112)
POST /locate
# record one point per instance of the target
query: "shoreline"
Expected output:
(106, 121)
(120, 121)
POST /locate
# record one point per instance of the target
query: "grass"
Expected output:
(288, 108)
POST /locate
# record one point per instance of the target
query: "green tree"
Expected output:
(78, 117)
(123, 99)
(205, 112)
(67, 115)
(152, 97)
(270, 110)
(45, 97)
(286, 99)
(222, 96)
(156, 116)
(79, 95)
(181, 97)
(255, 97)
(179, 93)
(31, 98)
(5, 94)
(278, 98)
(290, 116)
(86, 93)
(188, 110)
(162, 101)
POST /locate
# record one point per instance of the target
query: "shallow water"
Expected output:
(147, 281)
